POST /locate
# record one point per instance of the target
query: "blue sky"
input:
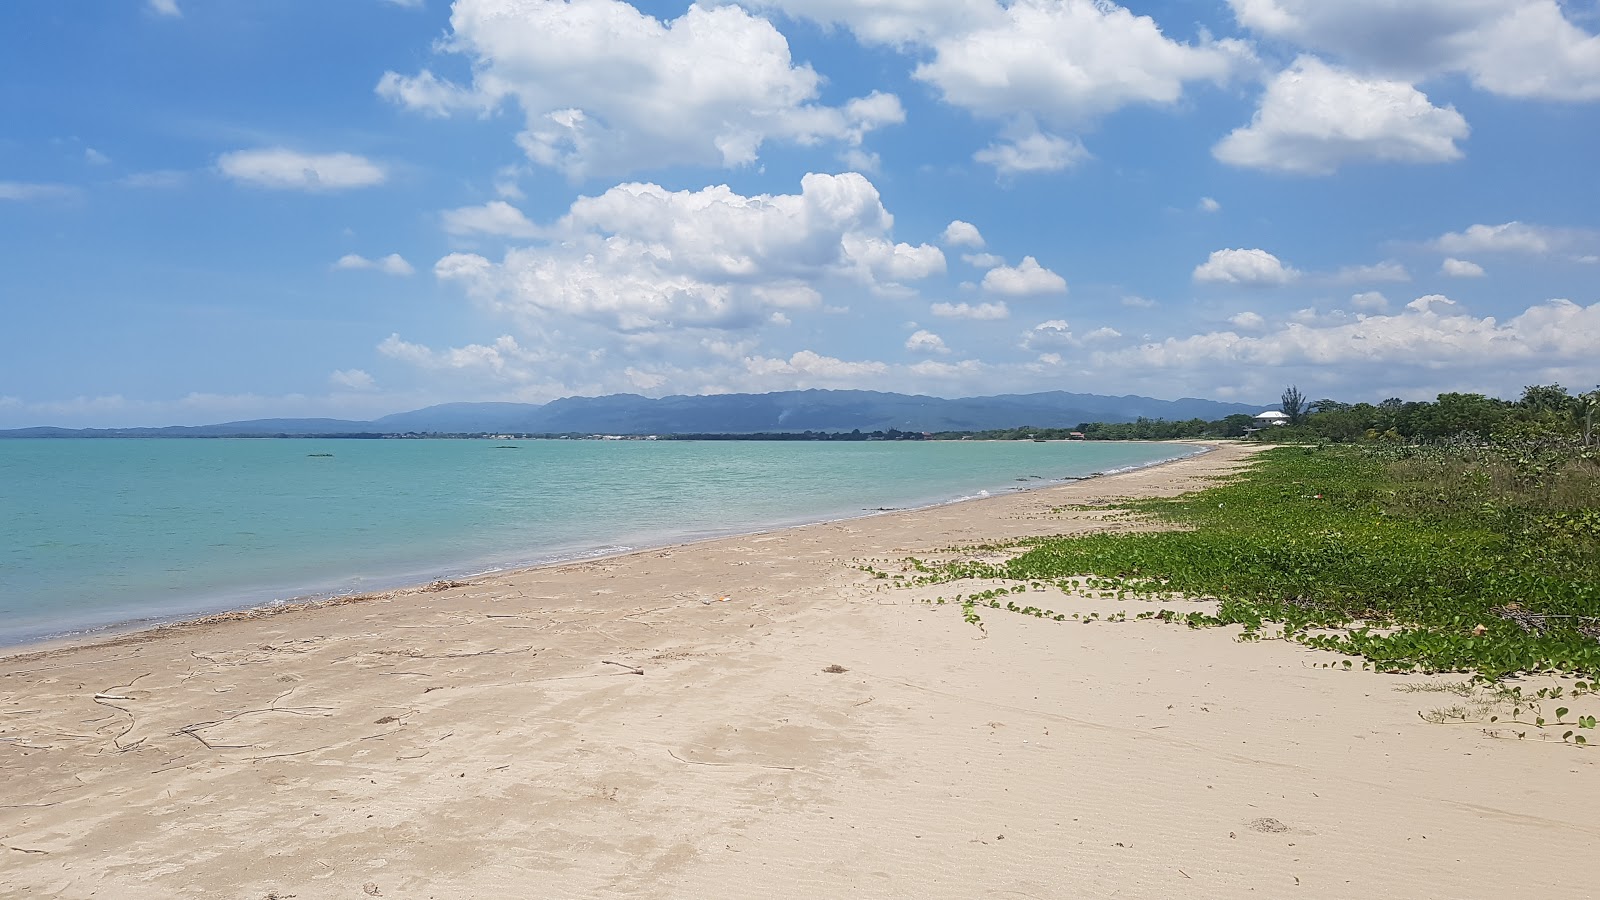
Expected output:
(224, 209)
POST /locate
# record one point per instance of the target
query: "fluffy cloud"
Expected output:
(503, 360)
(640, 257)
(810, 366)
(607, 89)
(1250, 267)
(164, 8)
(1025, 279)
(1065, 62)
(393, 264)
(962, 234)
(1370, 300)
(1460, 268)
(284, 169)
(1431, 333)
(1054, 334)
(1032, 152)
(1516, 48)
(924, 341)
(1512, 237)
(1315, 118)
(352, 380)
(496, 217)
(1250, 321)
(978, 312)
(1209, 205)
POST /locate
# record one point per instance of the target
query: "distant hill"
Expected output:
(812, 410)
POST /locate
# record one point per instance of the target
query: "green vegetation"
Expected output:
(1465, 556)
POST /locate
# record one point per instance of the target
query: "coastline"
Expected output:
(672, 722)
(222, 609)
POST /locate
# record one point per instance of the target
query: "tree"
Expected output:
(1294, 404)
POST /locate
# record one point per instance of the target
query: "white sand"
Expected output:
(476, 743)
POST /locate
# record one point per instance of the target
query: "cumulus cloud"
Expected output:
(1054, 334)
(1432, 333)
(496, 217)
(639, 257)
(1315, 118)
(1031, 153)
(164, 8)
(393, 264)
(1209, 205)
(1460, 268)
(1064, 62)
(1027, 278)
(1370, 300)
(977, 312)
(352, 380)
(1515, 48)
(502, 360)
(1511, 237)
(962, 234)
(924, 341)
(1250, 321)
(1248, 267)
(810, 366)
(283, 169)
(607, 89)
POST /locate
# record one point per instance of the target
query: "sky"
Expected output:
(215, 210)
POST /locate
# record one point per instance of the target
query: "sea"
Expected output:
(108, 534)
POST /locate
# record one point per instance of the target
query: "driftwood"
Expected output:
(632, 670)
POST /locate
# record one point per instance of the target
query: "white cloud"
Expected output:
(1025, 279)
(1250, 321)
(1054, 334)
(284, 169)
(164, 8)
(1430, 334)
(393, 264)
(983, 260)
(1516, 48)
(496, 217)
(1370, 300)
(1460, 268)
(25, 190)
(503, 360)
(640, 257)
(1066, 62)
(924, 341)
(1315, 118)
(1388, 270)
(962, 234)
(94, 157)
(606, 89)
(977, 312)
(409, 4)
(1032, 152)
(1134, 301)
(1251, 267)
(1512, 237)
(810, 366)
(1209, 205)
(352, 380)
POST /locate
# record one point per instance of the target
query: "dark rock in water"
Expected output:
(507, 447)
(324, 455)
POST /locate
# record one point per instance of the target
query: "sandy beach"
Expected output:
(757, 716)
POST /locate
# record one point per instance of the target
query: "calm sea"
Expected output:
(101, 533)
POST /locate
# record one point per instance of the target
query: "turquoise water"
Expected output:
(99, 533)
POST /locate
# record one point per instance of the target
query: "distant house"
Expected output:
(1269, 418)
(1075, 436)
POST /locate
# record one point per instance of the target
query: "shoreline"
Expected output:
(117, 632)
(757, 715)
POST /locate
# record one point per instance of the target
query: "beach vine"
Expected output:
(1455, 557)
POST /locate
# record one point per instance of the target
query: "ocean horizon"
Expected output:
(113, 534)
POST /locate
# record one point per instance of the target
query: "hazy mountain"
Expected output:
(813, 410)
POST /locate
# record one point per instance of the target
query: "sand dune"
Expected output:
(617, 728)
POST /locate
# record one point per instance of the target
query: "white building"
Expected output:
(1270, 417)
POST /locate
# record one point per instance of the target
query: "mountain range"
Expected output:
(781, 411)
